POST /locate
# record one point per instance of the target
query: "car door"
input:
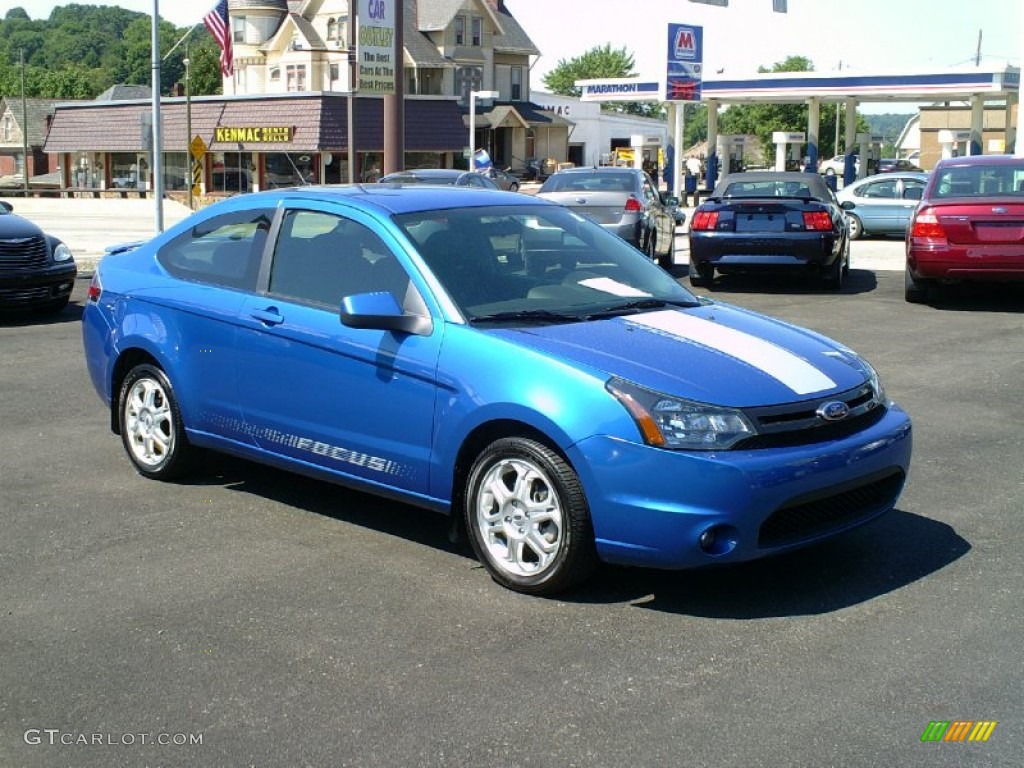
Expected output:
(658, 218)
(879, 206)
(358, 402)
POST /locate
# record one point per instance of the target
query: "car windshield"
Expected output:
(979, 180)
(523, 264)
(604, 181)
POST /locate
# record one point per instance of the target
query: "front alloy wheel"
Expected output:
(151, 425)
(528, 518)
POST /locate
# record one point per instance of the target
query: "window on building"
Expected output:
(517, 83)
(231, 172)
(468, 79)
(332, 29)
(478, 31)
(287, 169)
(238, 29)
(296, 77)
(177, 170)
(8, 128)
(335, 72)
(460, 30)
(275, 74)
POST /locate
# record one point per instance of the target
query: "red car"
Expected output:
(968, 226)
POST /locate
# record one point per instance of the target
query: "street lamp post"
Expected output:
(188, 132)
(473, 96)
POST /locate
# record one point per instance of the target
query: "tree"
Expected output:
(602, 61)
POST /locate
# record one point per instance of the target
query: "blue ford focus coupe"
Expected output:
(493, 357)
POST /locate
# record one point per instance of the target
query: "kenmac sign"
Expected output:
(258, 133)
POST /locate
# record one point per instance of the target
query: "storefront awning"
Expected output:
(307, 123)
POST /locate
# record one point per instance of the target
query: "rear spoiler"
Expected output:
(123, 247)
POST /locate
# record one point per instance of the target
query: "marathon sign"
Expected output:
(619, 89)
(267, 134)
(684, 62)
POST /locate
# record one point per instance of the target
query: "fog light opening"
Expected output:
(718, 539)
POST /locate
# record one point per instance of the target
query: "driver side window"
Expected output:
(321, 258)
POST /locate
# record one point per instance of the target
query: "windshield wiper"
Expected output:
(639, 305)
(530, 315)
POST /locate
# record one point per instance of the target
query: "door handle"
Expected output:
(268, 316)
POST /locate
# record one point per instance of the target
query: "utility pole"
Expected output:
(24, 124)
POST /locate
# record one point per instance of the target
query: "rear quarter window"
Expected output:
(224, 250)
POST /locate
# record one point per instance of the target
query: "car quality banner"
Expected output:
(685, 62)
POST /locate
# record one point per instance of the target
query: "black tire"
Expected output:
(830, 171)
(915, 290)
(833, 274)
(513, 187)
(665, 260)
(537, 538)
(152, 430)
(702, 274)
(856, 227)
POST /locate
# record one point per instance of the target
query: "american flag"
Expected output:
(217, 22)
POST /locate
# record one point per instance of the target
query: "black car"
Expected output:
(447, 176)
(37, 271)
(892, 165)
(767, 220)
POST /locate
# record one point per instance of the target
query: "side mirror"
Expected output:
(670, 200)
(847, 205)
(380, 311)
(6, 206)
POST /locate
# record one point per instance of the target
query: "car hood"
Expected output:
(13, 227)
(715, 354)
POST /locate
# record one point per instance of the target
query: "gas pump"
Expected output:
(731, 149)
(788, 143)
(954, 143)
(870, 153)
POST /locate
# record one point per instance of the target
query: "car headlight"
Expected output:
(672, 422)
(876, 382)
(62, 253)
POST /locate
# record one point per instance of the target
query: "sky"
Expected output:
(857, 35)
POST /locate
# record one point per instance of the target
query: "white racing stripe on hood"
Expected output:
(795, 372)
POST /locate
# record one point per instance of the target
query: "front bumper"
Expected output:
(650, 507)
(24, 290)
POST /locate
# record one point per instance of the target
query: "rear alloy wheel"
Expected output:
(151, 426)
(856, 227)
(915, 290)
(528, 518)
(830, 171)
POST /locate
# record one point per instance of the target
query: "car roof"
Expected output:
(973, 160)
(598, 169)
(384, 198)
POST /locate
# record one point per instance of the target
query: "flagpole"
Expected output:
(158, 161)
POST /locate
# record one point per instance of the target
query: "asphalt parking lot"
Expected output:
(280, 621)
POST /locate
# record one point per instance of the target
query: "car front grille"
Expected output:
(806, 517)
(22, 254)
(799, 423)
(25, 295)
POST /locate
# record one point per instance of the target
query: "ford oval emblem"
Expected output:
(833, 411)
(998, 209)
